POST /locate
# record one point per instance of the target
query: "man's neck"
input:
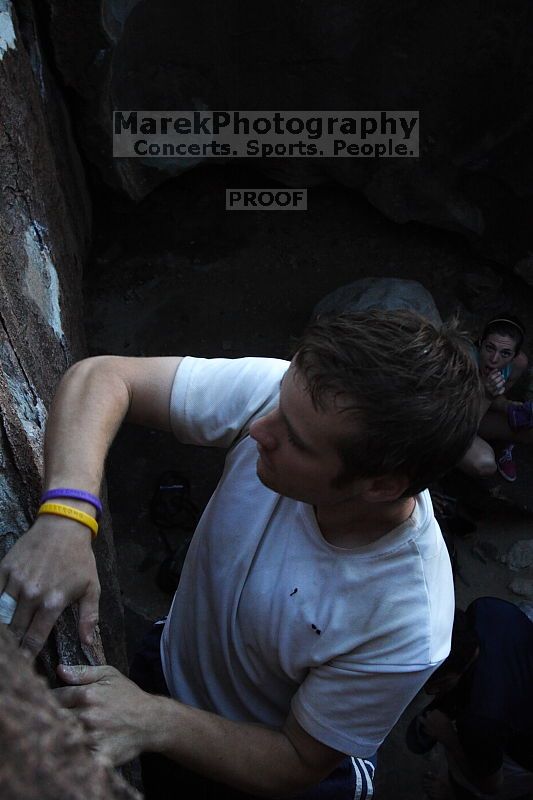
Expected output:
(361, 523)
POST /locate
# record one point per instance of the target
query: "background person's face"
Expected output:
(495, 352)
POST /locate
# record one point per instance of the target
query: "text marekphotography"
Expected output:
(196, 135)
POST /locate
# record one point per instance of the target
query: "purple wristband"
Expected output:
(77, 494)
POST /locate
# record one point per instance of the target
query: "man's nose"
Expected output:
(262, 431)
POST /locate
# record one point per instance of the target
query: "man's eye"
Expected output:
(506, 354)
(489, 348)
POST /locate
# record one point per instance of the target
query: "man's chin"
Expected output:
(269, 480)
(274, 486)
(265, 480)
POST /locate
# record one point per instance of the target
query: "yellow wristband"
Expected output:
(72, 513)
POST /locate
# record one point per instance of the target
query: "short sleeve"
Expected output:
(214, 400)
(352, 710)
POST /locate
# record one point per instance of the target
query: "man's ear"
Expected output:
(385, 488)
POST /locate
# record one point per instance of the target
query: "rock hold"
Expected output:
(520, 555)
(522, 587)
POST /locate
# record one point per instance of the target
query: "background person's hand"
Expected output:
(437, 725)
(48, 568)
(494, 383)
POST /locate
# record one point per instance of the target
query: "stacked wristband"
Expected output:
(62, 510)
(72, 513)
(76, 494)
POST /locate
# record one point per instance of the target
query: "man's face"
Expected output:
(297, 445)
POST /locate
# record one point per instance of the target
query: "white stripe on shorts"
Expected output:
(363, 772)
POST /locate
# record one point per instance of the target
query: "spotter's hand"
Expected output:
(437, 725)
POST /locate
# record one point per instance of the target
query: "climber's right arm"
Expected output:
(52, 564)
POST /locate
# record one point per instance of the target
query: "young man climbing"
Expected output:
(316, 598)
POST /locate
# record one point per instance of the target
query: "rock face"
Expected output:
(45, 751)
(44, 236)
(467, 67)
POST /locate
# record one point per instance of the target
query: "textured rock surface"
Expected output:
(466, 66)
(523, 587)
(44, 233)
(520, 555)
(45, 751)
(387, 293)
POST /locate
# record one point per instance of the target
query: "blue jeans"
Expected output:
(165, 779)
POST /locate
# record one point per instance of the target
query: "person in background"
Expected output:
(501, 362)
(482, 713)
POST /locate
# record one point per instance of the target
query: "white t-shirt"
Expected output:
(269, 616)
